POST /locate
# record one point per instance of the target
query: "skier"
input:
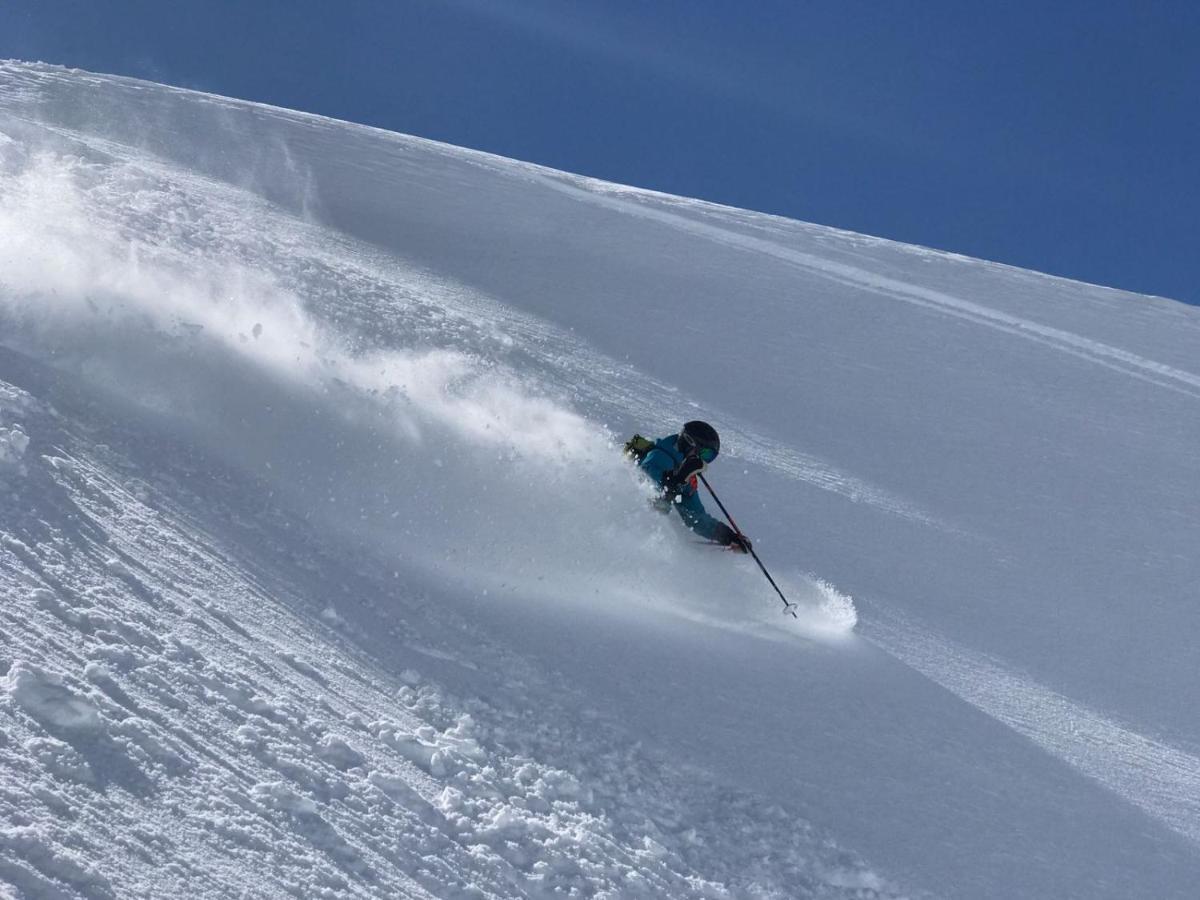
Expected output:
(673, 464)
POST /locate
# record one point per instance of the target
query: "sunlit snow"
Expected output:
(322, 573)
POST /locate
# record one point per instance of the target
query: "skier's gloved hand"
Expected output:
(677, 478)
(731, 539)
(741, 543)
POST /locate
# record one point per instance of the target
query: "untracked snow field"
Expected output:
(321, 574)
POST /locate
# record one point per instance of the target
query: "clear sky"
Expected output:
(1060, 136)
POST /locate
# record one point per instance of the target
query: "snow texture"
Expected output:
(44, 697)
(321, 574)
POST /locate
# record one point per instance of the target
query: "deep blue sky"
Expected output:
(1059, 136)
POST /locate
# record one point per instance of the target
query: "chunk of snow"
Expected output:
(47, 699)
(425, 755)
(278, 795)
(339, 754)
(60, 759)
(13, 443)
(61, 464)
(117, 566)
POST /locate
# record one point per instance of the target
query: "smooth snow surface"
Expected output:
(321, 573)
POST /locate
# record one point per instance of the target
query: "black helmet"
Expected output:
(699, 438)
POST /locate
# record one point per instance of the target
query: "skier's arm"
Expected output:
(692, 511)
(660, 466)
(694, 514)
(657, 465)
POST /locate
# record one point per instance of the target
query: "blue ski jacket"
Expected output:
(657, 464)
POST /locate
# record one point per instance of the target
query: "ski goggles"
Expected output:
(707, 454)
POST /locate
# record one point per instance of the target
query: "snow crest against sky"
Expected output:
(1060, 138)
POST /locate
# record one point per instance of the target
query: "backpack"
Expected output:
(637, 447)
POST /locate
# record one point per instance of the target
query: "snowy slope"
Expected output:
(321, 575)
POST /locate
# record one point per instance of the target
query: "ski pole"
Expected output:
(787, 607)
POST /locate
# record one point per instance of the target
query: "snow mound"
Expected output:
(14, 440)
(46, 697)
(13, 444)
(280, 796)
(339, 754)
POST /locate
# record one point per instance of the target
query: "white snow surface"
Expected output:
(321, 574)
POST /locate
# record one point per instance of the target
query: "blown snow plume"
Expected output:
(366, 392)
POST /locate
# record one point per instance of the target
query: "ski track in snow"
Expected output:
(1154, 776)
(644, 204)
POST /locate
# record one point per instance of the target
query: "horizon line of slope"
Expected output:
(587, 183)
